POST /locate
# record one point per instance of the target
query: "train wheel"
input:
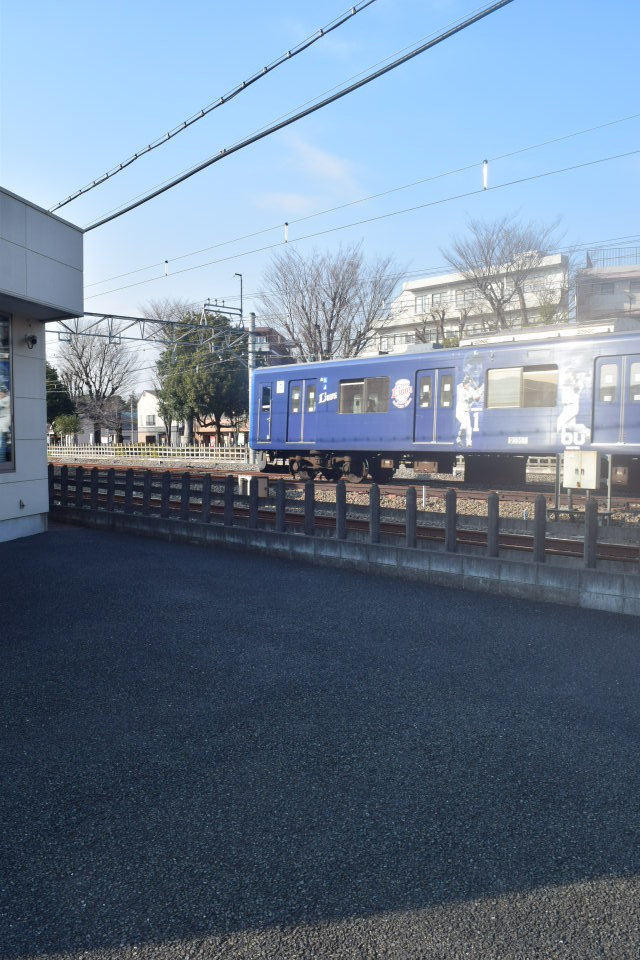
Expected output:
(356, 471)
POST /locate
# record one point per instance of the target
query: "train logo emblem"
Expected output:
(402, 393)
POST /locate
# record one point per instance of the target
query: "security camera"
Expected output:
(31, 340)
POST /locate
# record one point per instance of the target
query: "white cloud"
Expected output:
(326, 166)
(299, 204)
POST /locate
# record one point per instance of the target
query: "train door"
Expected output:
(301, 417)
(616, 400)
(264, 413)
(435, 406)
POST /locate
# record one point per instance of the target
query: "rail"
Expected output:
(207, 499)
(110, 451)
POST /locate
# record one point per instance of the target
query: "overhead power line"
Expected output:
(374, 196)
(221, 101)
(382, 216)
(225, 152)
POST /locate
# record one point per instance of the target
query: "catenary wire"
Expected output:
(374, 196)
(225, 152)
(225, 98)
(304, 104)
(383, 216)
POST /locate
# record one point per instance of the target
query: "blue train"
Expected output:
(496, 404)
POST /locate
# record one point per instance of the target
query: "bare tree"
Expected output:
(328, 305)
(96, 370)
(498, 258)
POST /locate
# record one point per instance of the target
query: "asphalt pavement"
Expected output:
(209, 754)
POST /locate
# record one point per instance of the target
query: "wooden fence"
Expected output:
(205, 499)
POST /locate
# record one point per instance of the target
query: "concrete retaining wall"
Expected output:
(598, 590)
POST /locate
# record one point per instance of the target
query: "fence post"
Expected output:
(590, 532)
(374, 513)
(146, 493)
(493, 524)
(228, 500)
(539, 528)
(111, 488)
(280, 505)
(253, 503)
(185, 493)
(95, 479)
(52, 479)
(410, 517)
(341, 510)
(64, 485)
(309, 504)
(128, 491)
(79, 485)
(165, 494)
(205, 514)
(450, 503)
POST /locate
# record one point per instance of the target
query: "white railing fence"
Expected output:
(110, 451)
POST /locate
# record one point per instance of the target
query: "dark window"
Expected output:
(295, 400)
(377, 394)
(446, 390)
(311, 399)
(425, 391)
(608, 383)
(265, 403)
(634, 383)
(360, 396)
(6, 418)
(351, 394)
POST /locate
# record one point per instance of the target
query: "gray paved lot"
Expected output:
(208, 754)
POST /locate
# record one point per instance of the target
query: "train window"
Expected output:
(503, 387)
(539, 386)
(425, 388)
(370, 395)
(522, 387)
(265, 403)
(608, 383)
(311, 398)
(295, 399)
(446, 390)
(377, 394)
(634, 383)
(351, 394)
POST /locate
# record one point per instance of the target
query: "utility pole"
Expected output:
(251, 362)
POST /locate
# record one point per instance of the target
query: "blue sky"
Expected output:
(83, 86)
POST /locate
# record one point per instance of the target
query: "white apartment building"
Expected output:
(609, 286)
(151, 427)
(434, 308)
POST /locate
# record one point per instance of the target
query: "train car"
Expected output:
(496, 404)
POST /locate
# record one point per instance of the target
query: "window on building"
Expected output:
(6, 418)
(436, 299)
(608, 386)
(295, 399)
(522, 387)
(360, 396)
(634, 383)
(604, 289)
(149, 420)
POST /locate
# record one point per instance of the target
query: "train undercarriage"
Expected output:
(484, 470)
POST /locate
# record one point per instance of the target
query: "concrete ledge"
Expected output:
(592, 589)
